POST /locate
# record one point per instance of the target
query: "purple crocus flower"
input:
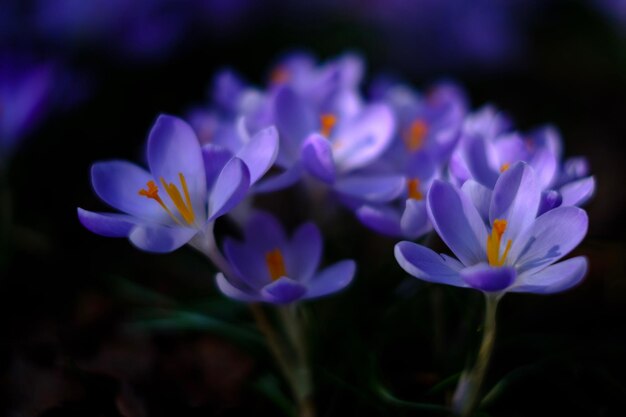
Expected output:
(270, 267)
(516, 252)
(184, 192)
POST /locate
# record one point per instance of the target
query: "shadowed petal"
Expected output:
(260, 153)
(515, 199)
(231, 291)
(248, 262)
(317, 158)
(332, 279)
(555, 278)
(118, 184)
(294, 121)
(374, 189)
(230, 188)
(283, 291)
(382, 219)
(479, 157)
(425, 264)
(277, 182)
(487, 278)
(304, 252)
(479, 195)
(107, 224)
(578, 192)
(550, 199)
(457, 222)
(215, 159)
(264, 232)
(414, 221)
(173, 148)
(160, 239)
(552, 236)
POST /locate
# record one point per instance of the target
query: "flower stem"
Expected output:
(468, 389)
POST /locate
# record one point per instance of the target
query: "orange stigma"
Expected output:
(275, 264)
(504, 167)
(328, 121)
(494, 242)
(184, 207)
(415, 135)
(279, 75)
(413, 185)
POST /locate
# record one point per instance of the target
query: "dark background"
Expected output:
(93, 327)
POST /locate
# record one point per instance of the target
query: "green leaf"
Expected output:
(269, 386)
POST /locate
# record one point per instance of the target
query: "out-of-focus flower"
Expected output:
(270, 267)
(167, 207)
(515, 252)
(488, 148)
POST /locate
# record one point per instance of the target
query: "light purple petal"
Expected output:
(382, 219)
(555, 278)
(331, 279)
(230, 188)
(552, 236)
(260, 153)
(479, 158)
(294, 121)
(173, 148)
(118, 184)
(107, 224)
(515, 199)
(425, 264)
(160, 239)
(373, 189)
(363, 139)
(578, 192)
(283, 291)
(215, 159)
(479, 195)
(487, 278)
(545, 164)
(317, 158)
(414, 221)
(277, 182)
(550, 199)
(304, 252)
(231, 291)
(457, 222)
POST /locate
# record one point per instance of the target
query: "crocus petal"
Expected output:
(545, 164)
(304, 252)
(317, 158)
(414, 221)
(231, 291)
(160, 239)
(332, 279)
(118, 184)
(174, 149)
(555, 278)
(552, 236)
(230, 188)
(515, 199)
(364, 138)
(294, 121)
(578, 192)
(425, 264)
(107, 224)
(248, 262)
(421, 165)
(479, 195)
(382, 219)
(215, 159)
(264, 232)
(260, 153)
(283, 291)
(479, 157)
(457, 222)
(279, 181)
(487, 278)
(374, 189)
(550, 199)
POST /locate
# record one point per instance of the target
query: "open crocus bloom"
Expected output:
(182, 194)
(271, 268)
(515, 252)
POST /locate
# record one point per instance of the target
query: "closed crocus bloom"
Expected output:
(270, 267)
(515, 252)
(185, 190)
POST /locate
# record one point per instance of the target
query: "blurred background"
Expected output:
(93, 327)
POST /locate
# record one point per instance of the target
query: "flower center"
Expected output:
(275, 264)
(415, 135)
(493, 243)
(328, 121)
(413, 186)
(184, 207)
(504, 167)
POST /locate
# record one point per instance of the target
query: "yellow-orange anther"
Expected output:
(184, 207)
(275, 264)
(504, 167)
(493, 243)
(415, 135)
(328, 121)
(279, 75)
(413, 186)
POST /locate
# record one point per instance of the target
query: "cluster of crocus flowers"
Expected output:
(404, 163)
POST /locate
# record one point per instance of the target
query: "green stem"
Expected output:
(468, 389)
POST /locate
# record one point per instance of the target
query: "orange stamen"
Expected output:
(413, 185)
(275, 264)
(184, 207)
(328, 121)
(504, 167)
(152, 192)
(494, 241)
(415, 135)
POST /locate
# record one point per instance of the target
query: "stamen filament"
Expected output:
(415, 135)
(172, 191)
(413, 185)
(493, 244)
(275, 264)
(152, 192)
(328, 121)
